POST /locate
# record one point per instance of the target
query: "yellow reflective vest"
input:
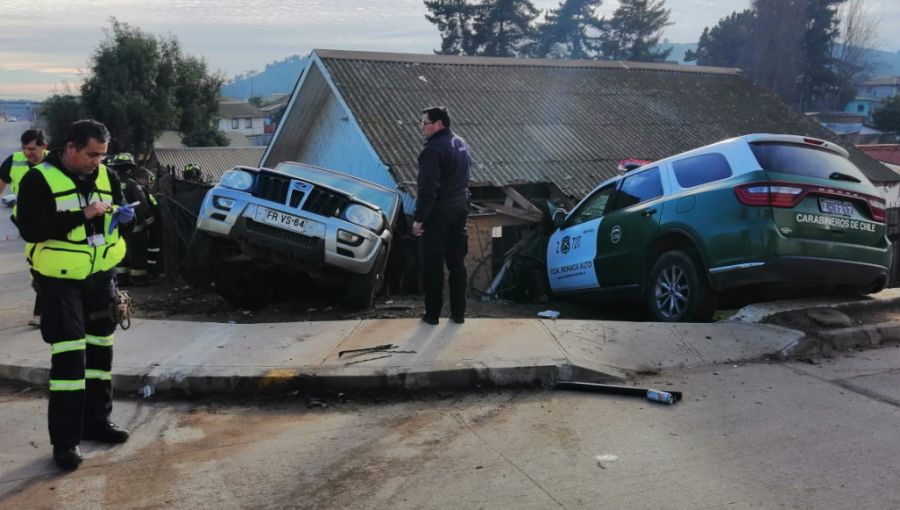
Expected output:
(20, 167)
(73, 258)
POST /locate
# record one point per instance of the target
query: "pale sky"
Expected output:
(45, 43)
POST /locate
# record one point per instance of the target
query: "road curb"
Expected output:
(248, 381)
(868, 335)
(758, 313)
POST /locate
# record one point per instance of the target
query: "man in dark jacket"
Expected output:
(71, 211)
(441, 214)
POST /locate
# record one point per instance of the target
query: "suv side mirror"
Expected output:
(559, 217)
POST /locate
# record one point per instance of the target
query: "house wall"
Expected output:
(257, 129)
(878, 91)
(478, 259)
(335, 143)
(862, 107)
(891, 192)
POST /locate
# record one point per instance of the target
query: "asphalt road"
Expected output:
(786, 435)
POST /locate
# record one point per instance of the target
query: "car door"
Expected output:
(572, 248)
(628, 226)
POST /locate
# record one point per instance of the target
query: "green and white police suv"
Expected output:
(758, 209)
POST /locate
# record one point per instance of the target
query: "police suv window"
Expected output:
(593, 207)
(702, 169)
(638, 188)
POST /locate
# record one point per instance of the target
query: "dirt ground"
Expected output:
(176, 300)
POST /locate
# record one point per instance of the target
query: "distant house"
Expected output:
(539, 129)
(871, 93)
(850, 127)
(889, 156)
(241, 117)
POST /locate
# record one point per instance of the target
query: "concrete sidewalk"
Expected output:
(221, 358)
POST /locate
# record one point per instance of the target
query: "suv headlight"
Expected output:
(363, 216)
(237, 179)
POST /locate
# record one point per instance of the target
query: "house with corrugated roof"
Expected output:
(538, 128)
(871, 93)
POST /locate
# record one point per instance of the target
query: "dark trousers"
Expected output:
(445, 241)
(81, 353)
(154, 250)
(37, 305)
(134, 265)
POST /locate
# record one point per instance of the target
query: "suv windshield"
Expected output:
(789, 158)
(366, 192)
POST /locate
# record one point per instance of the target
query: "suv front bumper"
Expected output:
(239, 223)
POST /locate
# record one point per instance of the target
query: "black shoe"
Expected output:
(67, 457)
(459, 319)
(430, 320)
(107, 433)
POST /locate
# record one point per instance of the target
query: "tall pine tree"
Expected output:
(819, 78)
(564, 32)
(634, 31)
(454, 18)
(503, 27)
(721, 46)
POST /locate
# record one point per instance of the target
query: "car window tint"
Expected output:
(790, 158)
(638, 188)
(697, 170)
(593, 207)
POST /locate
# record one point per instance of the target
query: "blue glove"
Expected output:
(122, 215)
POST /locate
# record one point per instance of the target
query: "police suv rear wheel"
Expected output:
(678, 291)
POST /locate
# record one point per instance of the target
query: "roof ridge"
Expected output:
(419, 58)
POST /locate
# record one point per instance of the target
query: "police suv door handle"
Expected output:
(648, 212)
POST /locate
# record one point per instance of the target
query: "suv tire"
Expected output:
(361, 292)
(677, 290)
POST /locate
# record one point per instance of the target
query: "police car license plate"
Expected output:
(836, 206)
(286, 221)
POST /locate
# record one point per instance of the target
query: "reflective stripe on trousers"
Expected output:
(66, 385)
(102, 341)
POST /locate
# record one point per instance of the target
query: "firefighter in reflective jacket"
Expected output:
(34, 150)
(72, 209)
(133, 269)
(153, 222)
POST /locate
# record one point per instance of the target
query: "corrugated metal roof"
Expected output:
(213, 161)
(229, 109)
(883, 80)
(172, 140)
(559, 121)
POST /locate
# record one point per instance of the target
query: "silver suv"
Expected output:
(331, 226)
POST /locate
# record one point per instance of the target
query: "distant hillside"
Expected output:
(678, 51)
(277, 78)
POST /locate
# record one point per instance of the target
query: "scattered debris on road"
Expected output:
(548, 314)
(382, 347)
(666, 397)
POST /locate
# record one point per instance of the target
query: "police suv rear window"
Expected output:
(789, 158)
(691, 172)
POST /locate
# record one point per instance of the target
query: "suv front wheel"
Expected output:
(362, 289)
(678, 291)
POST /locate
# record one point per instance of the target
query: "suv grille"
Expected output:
(324, 203)
(280, 233)
(272, 187)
